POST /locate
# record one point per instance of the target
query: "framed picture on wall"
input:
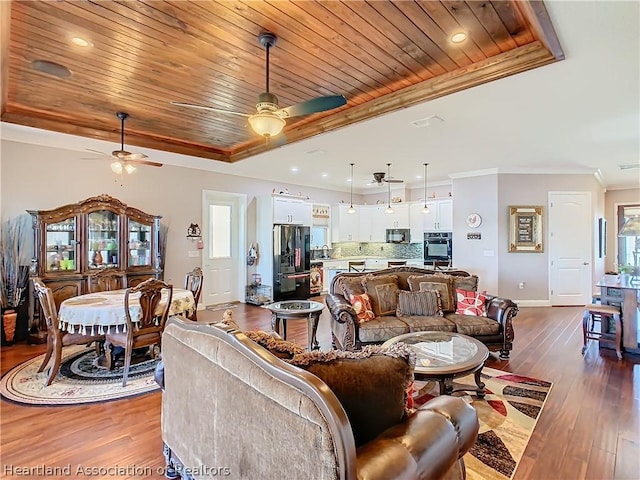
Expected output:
(602, 237)
(525, 229)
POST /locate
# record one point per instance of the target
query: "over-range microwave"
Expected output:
(398, 235)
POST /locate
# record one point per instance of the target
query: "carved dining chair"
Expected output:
(56, 339)
(356, 266)
(107, 279)
(193, 282)
(145, 331)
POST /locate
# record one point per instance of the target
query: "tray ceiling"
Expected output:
(381, 55)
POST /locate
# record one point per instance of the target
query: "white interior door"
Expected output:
(223, 259)
(571, 233)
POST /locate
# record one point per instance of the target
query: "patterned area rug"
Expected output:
(78, 381)
(508, 415)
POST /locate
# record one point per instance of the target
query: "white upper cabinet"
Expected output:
(344, 225)
(372, 227)
(399, 218)
(292, 211)
(440, 216)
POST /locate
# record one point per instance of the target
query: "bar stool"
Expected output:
(398, 263)
(605, 314)
(356, 266)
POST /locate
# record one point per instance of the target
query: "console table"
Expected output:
(624, 291)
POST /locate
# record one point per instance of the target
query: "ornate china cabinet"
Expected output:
(74, 241)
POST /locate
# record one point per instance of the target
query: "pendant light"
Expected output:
(351, 209)
(389, 209)
(425, 209)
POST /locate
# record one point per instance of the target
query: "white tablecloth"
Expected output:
(96, 312)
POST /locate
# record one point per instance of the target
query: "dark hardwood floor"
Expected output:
(589, 428)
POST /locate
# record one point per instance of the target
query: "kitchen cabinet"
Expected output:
(73, 241)
(291, 210)
(440, 216)
(344, 225)
(399, 218)
(372, 223)
(417, 221)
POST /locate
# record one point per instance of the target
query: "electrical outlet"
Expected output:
(521, 285)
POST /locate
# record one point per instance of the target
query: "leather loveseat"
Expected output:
(231, 408)
(494, 328)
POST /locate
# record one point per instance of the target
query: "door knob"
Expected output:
(585, 263)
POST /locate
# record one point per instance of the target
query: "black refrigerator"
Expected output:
(291, 262)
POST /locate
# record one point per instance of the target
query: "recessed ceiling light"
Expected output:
(317, 151)
(52, 68)
(458, 37)
(349, 180)
(294, 169)
(325, 174)
(80, 42)
(418, 177)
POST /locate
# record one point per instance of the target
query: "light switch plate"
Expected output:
(194, 253)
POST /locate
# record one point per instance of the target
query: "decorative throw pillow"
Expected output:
(383, 293)
(372, 384)
(425, 304)
(362, 305)
(469, 283)
(441, 283)
(348, 286)
(470, 303)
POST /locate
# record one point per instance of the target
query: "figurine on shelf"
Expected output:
(97, 258)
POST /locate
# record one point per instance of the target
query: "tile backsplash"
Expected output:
(388, 250)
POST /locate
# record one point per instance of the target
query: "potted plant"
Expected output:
(14, 273)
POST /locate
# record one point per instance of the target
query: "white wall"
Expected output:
(42, 178)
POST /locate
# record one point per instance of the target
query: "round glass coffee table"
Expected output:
(297, 309)
(443, 356)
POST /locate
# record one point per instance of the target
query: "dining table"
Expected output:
(95, 313)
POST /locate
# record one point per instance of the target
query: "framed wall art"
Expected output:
(525, 229)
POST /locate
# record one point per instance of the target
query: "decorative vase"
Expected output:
(97, 258)
(9, 319)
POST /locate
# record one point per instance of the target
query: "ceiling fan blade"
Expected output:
(209, 109)
(136, 156)
(314, 105)
(97, 151)
(145, 162)
(393, 180)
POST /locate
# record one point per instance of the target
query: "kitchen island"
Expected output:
(333, 266)
(624, 291)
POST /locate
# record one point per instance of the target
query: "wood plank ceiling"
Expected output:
(381, 55)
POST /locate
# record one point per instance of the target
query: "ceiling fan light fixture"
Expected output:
(116, 167)
(266, 124)
(129, 168)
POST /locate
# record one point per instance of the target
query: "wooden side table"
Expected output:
(297, 309)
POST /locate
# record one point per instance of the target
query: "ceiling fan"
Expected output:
(269, 120)
(380, 177)
(124, 160)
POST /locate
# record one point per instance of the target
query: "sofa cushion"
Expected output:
(278, 347)
(362, 305)
(383, 292)
(418, 323)
(381, 329)
(474, 326)
(372, 385)
(470, 303)
(419, 303)
(347, 286)
(441, 283)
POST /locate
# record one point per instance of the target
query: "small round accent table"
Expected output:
(443, 356)
(297, 309)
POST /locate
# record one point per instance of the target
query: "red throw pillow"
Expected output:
(362, 305)
(470, 303)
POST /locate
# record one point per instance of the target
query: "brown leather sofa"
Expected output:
(495, 330)
(232, 409)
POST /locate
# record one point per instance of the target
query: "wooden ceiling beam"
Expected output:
(5, 28)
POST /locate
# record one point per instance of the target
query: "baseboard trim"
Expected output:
(533, 303)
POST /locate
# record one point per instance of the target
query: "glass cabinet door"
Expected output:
(102, 240)
(139, 244)
(61, 245)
